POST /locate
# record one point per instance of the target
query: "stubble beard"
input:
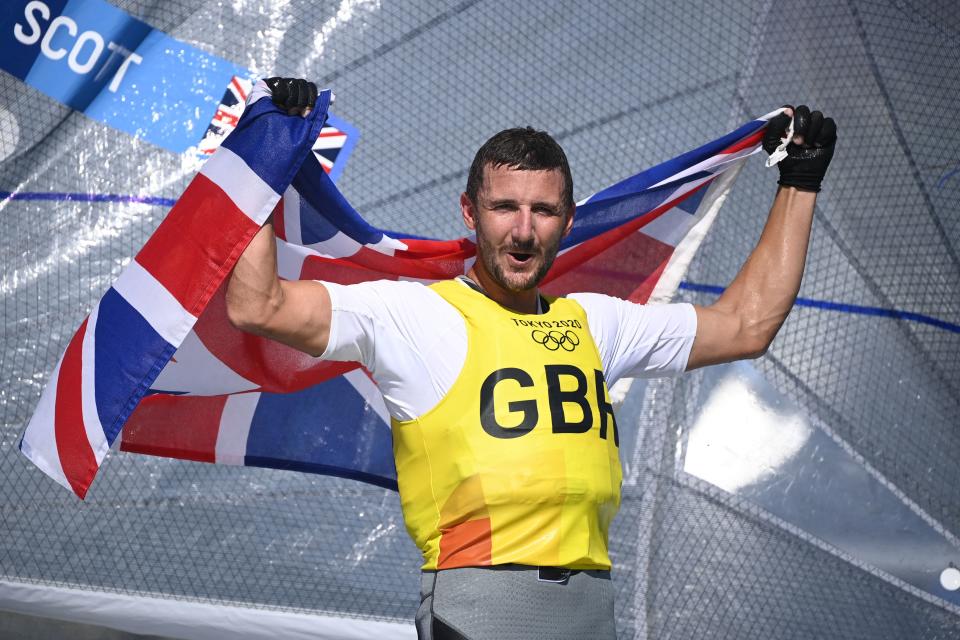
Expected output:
(513, 281)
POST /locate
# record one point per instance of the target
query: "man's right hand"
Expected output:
(296, 96)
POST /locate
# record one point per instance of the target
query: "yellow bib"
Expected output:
(518, 462)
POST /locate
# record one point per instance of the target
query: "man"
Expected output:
(504, 436)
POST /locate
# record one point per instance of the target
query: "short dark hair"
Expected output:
(522, 148)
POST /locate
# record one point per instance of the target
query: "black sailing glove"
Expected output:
(806, 163)
(293, 95)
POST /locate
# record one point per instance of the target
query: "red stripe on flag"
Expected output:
(198, 243)
(430, 249)
(367, 264)
(279, 224)
(749, 141)
(628, 269)
(175, 427)
(73, 448)
(339, 271)
(239, 89)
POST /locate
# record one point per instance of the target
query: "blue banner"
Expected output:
(119, 70)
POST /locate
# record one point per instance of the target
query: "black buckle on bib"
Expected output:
(557, 575)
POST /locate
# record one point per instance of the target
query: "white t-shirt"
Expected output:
(414, 343)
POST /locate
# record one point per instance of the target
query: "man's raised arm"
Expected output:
(296, 312)
(745, 318)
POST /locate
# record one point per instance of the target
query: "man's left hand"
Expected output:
(810, 151)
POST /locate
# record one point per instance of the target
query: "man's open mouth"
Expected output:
(520, 256)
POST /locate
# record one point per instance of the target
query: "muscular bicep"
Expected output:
(720, 338)
(302, 319)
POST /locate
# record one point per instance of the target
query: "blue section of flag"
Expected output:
(691, 204)
(317, 430)
(261, 136)
(128, 356)
(597, 216)
(672, 167)
(622, 202)
(314, 227)
(317, 188)
(353, 137)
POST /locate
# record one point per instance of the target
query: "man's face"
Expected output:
(519, 218)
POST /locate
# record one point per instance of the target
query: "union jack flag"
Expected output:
(158, 358)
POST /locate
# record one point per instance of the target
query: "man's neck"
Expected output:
(526, 301)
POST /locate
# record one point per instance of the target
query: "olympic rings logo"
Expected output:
(553, 340)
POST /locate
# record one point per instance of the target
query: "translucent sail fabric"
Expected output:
(708, 543)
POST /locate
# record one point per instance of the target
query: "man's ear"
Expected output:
(569, 226)
(469, 212)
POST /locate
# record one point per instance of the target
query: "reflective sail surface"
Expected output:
(809, 493)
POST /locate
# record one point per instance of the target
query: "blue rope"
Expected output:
(844, 308)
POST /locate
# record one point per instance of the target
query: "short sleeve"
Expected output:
(410, 339)
(353, 323)
(637, 340)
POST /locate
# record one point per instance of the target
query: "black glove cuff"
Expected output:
(814, 189)
(804, 168)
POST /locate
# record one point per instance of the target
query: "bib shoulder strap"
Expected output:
(465, 288)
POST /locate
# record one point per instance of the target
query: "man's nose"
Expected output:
(523, 225)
